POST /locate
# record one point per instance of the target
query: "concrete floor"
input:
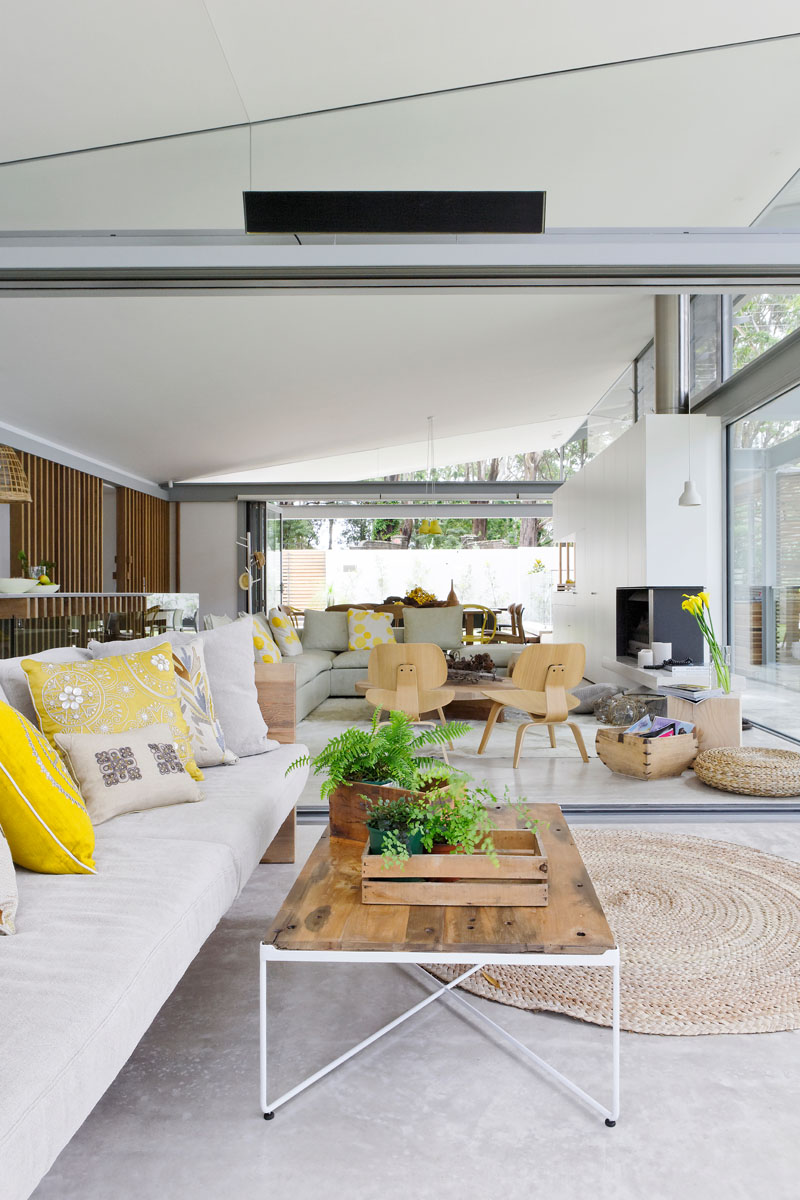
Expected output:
(440, 1109)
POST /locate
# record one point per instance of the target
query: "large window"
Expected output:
(759, 322)
(615, 413)
(705, 343)
(764, 567)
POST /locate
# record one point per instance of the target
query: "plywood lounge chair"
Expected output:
(541, 677)
(407, 678)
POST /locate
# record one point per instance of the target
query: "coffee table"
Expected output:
(469, 701)
(323, 920)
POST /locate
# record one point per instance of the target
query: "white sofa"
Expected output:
(327, 668)
(95, 957)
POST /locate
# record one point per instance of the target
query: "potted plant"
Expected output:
(360, 761)
(394, 826)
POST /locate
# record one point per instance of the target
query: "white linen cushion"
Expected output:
(14, 681)
(231, 670)
(441, 626)
(127, 772)
(8, 888)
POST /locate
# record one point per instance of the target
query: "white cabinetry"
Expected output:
(622, 513)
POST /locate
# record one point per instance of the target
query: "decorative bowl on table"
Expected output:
(46, 588)
(16, 587)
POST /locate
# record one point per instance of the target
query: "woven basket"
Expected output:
(750, 770)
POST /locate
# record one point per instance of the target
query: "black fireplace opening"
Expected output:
(646, 615)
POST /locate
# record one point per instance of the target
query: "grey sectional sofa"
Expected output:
(327, 668)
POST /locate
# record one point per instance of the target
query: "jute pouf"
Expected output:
(709, 935)
(750, 770)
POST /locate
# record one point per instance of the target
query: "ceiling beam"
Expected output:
(443, 512)
(657, 259)
(377, 490)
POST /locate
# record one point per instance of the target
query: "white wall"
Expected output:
(622, 512)
(209, 560)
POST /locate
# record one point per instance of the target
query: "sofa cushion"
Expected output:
(324, 630)
(310, 664)
(284, 633)
(127, 772)
(93, 961)
(14, 681)
(231, 670)
(110, 696)
(441, 626)
(8, 888)
(352, 658)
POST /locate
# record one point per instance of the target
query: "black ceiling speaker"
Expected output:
(394, 212)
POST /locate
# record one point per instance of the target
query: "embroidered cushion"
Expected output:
(8, 888)
(41, 811)
(284, 632)
(197, 705)
(127, 772)
(367, 629)
(111, 695)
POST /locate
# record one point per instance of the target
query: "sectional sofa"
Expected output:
(95, 957)
(327, 667)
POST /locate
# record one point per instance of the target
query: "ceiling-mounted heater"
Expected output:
(394, 212)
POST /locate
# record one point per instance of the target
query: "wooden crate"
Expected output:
(348, 814)
(645, 758)
(520, 879)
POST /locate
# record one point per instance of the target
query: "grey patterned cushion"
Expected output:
(127, 772)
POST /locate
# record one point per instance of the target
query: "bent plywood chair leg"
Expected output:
(443, 719)
(494, 713)
(552, 731)
(523, 729)
(576, 733)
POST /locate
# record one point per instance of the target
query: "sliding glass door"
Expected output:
(265, 527)
(764, 559)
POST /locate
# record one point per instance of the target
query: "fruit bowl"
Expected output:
(16, 587)
(46, 588)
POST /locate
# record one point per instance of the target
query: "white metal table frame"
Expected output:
(608, 958)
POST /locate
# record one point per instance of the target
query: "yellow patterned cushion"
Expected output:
(110, 695)
(284, 633)
(265, 647)
(367, 629)
(41, 811)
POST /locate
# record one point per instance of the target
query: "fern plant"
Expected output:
(385, 754)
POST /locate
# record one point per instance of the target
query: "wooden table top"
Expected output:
(463, 691)
(323, 911)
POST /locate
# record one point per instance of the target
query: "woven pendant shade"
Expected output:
(13, 480)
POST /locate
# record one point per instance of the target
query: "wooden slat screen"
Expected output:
(142, 542)
(64, 524)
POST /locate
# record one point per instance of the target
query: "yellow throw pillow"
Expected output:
(41, 811)
(110, 695)
(266, 649)
(284, 633)
(366, 629)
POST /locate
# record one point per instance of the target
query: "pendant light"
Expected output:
(432, 528)
(14, 486)
(690, 497)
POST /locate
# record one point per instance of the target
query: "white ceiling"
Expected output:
(182, 386)
(97, 72)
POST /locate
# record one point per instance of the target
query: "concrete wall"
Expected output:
(622, 512)
(209, 562)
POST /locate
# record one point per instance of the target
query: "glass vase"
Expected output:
(722, 664)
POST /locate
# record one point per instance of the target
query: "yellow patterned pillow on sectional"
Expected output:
(367, 629)
(110, 695)
(41, 811)
(284, 633)
(265, 646)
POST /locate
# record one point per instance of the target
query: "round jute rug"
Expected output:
(709, 935)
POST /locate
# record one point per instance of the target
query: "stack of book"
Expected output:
(659, 727)
(693, 692)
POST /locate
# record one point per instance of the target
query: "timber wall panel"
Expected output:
(64, 524)
(143, 542)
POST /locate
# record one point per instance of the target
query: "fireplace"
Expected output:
(647, 615)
